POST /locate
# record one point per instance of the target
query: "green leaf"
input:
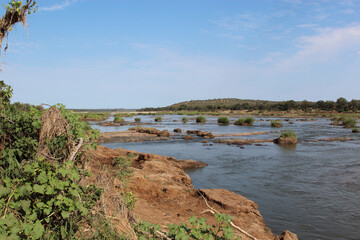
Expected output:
(39, 188)
(42, 178)
(38, 230)
(65, 214)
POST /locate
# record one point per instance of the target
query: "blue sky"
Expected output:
(142, 53)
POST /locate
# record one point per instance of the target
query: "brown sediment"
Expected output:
(166, 194)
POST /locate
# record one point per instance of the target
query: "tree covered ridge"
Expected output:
(340, 105)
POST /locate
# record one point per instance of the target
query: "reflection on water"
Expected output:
(311, 189)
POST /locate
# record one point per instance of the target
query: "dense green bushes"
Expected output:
(245, 121)
(200, 119)
(39, 192)
(223, 121)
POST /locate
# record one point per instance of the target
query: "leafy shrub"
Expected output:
(184, 119)
(137, 119)
(198, 228)
(245, 121)
(158, 119)
(39, 193)
(223, 121)
(118, 119)
(200, 119)
(356, 130)
(129, 200)
(288, 133)
(275, 123)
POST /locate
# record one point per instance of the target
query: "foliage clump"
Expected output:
(40, 166)
(356, 130)
(249, 121)
(200, 119)
(158, 119)
(118, 119)
(137, 119)
(346, 122)
(275, 124)
(184, 119)
(223, 121)
(288, 133)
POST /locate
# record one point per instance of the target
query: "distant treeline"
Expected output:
(341, 105)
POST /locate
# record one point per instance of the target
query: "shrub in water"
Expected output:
(118, 119)
(200, 119)
(185, 120)
(349, 122)
(158, 119)
(223, 121)
(276, 124)
(355, 130)
(245, 121)
(137, 119)
(288, 133)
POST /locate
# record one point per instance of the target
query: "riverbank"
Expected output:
(166, 195)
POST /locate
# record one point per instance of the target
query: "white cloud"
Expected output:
(326, 46)
(58, 6)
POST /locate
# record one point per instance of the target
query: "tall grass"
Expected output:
(275, 123)
(288, 133)
(249, 121)
(223, 121)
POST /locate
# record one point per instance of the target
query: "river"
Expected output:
(312, 189)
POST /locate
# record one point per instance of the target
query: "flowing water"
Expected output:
(312, 189)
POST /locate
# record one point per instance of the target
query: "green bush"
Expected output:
(200, 119)
(245, 121)
(275, 123)
(137, 119)
(158, 119)
(356, 130)
(349, 122)
(223, 121)
(184, 119)
(118, 119)
(288, 133)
